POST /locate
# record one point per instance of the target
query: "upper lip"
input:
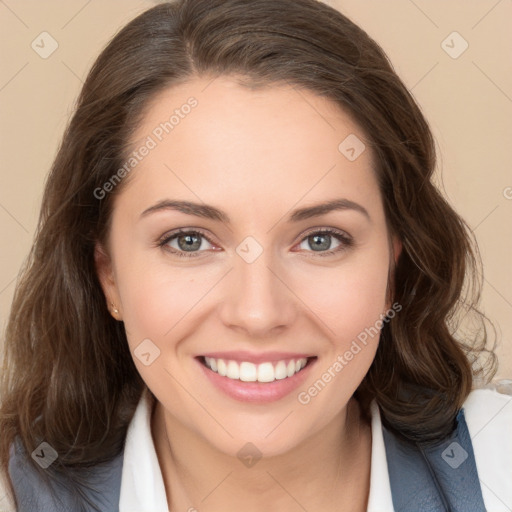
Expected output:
(256, 358)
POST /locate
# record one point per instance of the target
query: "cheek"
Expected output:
(160, 308)
(347, 298)
(350, 300)
(156, 300)
(354, 317)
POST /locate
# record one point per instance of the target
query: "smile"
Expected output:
(250, 372)
(256, 378)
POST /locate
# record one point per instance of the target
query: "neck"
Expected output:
(329, 469)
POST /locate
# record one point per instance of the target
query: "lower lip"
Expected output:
(258, 392)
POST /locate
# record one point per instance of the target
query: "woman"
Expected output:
(245, 290)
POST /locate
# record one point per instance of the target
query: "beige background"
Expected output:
(468, 101)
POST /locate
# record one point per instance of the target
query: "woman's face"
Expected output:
(255, 281)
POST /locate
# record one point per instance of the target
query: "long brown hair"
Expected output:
(68, 377)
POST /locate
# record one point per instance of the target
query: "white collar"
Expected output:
(380, 498)
(142, 485)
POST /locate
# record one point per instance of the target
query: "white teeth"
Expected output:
(291, 368)
(233, 370)
(221, 367)
(280, 371)
(250, 372)
(266, 372)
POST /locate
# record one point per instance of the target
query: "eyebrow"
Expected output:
(210, 212)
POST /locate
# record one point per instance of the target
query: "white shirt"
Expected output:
(488, 416)
(142, 486)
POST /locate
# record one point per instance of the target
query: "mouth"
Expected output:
(253, 381)
(246, 371)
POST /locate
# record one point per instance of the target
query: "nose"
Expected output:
(258, 301)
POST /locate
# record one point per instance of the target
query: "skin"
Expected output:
(256, 154)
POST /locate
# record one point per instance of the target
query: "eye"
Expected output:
(191, 243)
(185, 243)
(321, 241)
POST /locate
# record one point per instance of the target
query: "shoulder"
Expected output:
(93, 488)
(488, 415)
(6, 503)
(488, 412)
(33, 488)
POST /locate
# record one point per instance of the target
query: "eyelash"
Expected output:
(342, 237)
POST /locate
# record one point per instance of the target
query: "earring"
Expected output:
(114, 309)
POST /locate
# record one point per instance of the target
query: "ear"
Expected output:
(104, 270)
(395, 249)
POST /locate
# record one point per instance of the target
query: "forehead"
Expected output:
(214, 138)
